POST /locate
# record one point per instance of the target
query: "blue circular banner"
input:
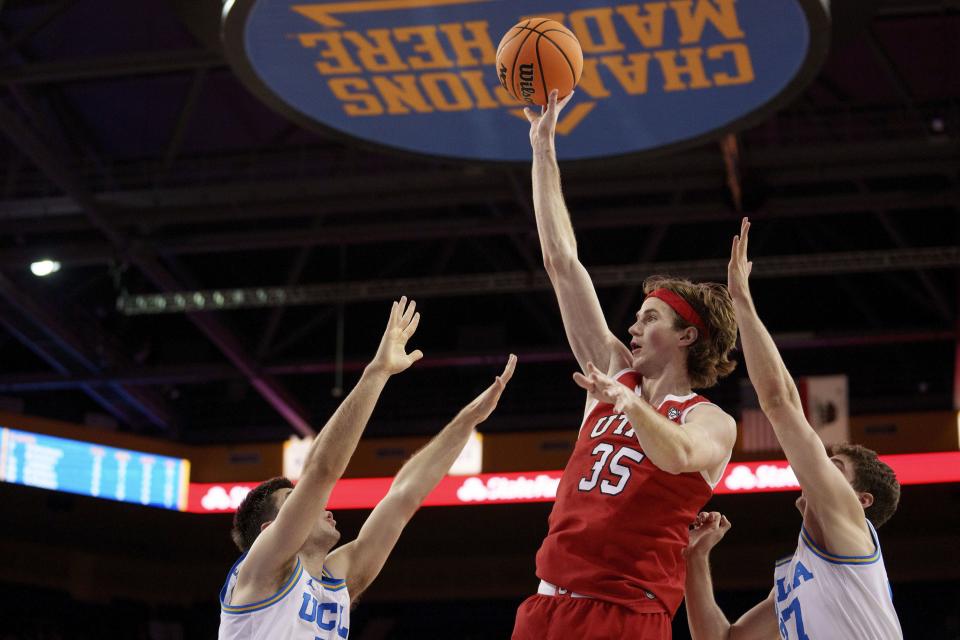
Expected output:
(419, 75)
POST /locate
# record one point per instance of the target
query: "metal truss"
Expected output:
(522, 281)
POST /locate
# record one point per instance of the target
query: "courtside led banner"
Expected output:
(541, 486)
(419, 75)
(89, 469)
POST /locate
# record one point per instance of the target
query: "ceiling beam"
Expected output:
(586, 218)
(35, 27)
(810, 264)
(110, 67)
(430, 187)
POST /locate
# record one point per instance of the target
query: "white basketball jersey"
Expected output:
(821, 596)
(304, 608)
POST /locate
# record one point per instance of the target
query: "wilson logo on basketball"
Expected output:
(421, 74)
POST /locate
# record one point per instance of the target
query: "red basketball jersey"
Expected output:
(620, 524)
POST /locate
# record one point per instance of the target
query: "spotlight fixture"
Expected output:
(43, 268)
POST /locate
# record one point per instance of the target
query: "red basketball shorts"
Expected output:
(543, 617)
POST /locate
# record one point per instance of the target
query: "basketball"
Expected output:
(537, 56)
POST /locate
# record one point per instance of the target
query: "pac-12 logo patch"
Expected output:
(420, 75)
(673, 413)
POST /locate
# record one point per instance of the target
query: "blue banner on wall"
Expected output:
(419, 74)
(93, 470)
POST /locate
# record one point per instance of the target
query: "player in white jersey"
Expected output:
(290, 584)
(835, 586)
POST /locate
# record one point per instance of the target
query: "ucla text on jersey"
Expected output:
(304, 608)
(820, 595)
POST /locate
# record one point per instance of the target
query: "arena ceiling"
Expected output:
(131, 154)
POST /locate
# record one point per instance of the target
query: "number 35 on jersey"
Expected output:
(611, 461)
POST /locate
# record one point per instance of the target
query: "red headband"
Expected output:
(682, 307)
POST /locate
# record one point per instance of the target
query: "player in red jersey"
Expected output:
(649, 451)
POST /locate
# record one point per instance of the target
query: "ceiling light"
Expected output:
(43, 268)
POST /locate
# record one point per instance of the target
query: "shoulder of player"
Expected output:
(711, 422)
(843, 541)
(253, 587)
(699, 410)
(844, 531)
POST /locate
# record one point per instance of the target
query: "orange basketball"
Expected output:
(537, 56)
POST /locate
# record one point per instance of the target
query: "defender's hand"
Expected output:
(739, 268)
(708, 530)
(604, 388)
(543, 126)
(483, 405)
(392, 356)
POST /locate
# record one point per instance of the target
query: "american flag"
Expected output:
(757, 433)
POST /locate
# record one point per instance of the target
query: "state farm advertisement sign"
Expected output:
(541, 486)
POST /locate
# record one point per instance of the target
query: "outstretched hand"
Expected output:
(392, 356)
(739, 268)
(483, 405)
(543, 126)
(708, 530)
(604, 388)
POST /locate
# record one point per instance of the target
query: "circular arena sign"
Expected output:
(419, 75)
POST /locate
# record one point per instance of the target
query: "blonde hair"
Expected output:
(708, 359)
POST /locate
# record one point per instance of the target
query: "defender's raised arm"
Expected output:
(273, 551)
(361, 560)
(826, 488)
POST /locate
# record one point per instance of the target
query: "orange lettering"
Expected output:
(334, 51)
(602, 18)
(741, 61)
(429, 44)
(631, 76)
(648, 28)
(693, 68)
(376, 53)
(439, 85)
(481, 93)
(464, 47)
(401, 92)
(346, 91)
(723, 16)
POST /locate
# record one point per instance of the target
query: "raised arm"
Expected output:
(705, 618)
(590, 338)
(271, 555)
(360, 561)
(828, 492)
(702, 443)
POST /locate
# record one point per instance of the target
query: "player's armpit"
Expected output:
(759, 623)
(338, 564)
